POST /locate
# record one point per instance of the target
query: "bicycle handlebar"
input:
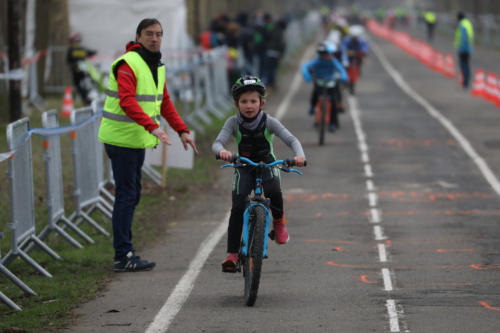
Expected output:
(236, 162)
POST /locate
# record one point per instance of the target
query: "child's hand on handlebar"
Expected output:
(225, 155)
(299, 160)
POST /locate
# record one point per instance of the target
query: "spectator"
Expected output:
(464, 41)
(76, 56)
(136, 97)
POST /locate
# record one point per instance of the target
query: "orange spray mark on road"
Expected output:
(453, 250)
(364, 279)
(318, 215)
(489, 307)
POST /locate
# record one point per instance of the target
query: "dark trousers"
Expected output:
(243, 184)
(464, 59)
(126, 164)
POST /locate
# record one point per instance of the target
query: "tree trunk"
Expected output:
(15, 20)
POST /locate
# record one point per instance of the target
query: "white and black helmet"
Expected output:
(247, 83)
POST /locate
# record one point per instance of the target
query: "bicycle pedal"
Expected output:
(271, 235)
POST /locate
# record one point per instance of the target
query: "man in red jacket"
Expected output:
(136, 97)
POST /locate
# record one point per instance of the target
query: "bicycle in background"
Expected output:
(325, 109)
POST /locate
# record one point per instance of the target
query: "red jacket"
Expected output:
(127, 83)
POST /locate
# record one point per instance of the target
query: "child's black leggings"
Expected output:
(243, 184)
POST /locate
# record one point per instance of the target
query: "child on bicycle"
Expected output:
(324, 66)
(253, 130)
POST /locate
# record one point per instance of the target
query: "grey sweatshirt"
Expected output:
(273, 125)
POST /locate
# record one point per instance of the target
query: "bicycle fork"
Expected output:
(247, 224)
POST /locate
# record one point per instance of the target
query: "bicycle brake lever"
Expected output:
(296, 171)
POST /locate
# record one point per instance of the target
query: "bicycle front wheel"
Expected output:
(252, 265)
(323, 108)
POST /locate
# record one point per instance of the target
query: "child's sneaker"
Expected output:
(280, 234)
(229, 264)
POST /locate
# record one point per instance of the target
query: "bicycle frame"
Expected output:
(324, 97)
(257, 199)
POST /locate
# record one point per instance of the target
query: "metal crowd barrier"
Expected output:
(54, 183)
(87, 180)
(20, 174)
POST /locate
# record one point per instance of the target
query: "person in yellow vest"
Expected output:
(464, 42)
(136, 98)
(430, 20)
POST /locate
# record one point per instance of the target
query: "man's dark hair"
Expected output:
(460, 15)
(147, 22)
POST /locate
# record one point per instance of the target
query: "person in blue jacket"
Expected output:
(464, 41)
(325, 66)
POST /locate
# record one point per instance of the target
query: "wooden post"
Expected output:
(164, 162)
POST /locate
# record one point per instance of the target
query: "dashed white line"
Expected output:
(382, 253)
(375, 215)
(379, 234)
(393, 315)
(368, 170)
(372, 199)
(369, 185)
(386, 275)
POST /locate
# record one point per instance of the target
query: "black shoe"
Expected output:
(133, 263)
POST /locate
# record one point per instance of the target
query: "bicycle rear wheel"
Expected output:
(252, 265)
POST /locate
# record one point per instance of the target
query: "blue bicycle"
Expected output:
(256, 222)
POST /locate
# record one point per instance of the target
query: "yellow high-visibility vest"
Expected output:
(116, 127)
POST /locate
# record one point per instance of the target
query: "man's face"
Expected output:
(150, 37)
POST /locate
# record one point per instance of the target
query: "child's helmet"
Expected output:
(322, 48)
(326, 48)
(248, 83)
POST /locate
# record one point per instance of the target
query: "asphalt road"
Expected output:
(394, 225)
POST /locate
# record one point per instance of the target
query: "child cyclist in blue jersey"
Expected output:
(253, 130)
(324, 66)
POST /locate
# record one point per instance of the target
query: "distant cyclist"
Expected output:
(325, 66)
(253, 131)
(357, 48)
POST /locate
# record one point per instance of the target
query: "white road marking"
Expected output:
(382, 254)
(379, 234)
(375, 215)
(445, 122)
(372, 199)
(369, 185)
(368, 171)
(181, 292)
(386, 275)
(365, 158)
(393, 315)
(294, 87)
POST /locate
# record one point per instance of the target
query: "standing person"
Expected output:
(136, 97)
(430, 20)
(253, 131)
(274, 53)
(464, 41)
(77, 54)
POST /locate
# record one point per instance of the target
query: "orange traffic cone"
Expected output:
(478, 88)
(491, 87)
(67, 102)
(496, 100)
